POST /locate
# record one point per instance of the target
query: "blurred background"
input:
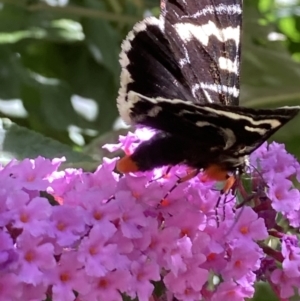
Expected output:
(59, 72)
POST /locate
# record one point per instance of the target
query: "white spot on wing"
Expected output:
(188, 31)
(229, 65)
(196, 87)
(204, 123)
(221, 9)
(234, 91)
(186, 59)
(260, 131)
(207, 96)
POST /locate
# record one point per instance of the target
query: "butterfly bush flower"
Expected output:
(72, 235)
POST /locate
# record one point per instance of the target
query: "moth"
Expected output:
(181, 76)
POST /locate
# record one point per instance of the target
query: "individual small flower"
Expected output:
(98, 211)
(249, 225)
(283, 196)
(151, 241)
(105, 179)
(242, 261)
(294, 218)
(125, 143)
(231, 291)
(109, 287)
(10, 287)
(98, 255)
(188, 284)
(283, 284)
(30, 215)
(284, 163)
(175, 257)
(215, 256)
(63, 181)
(34, 292)
(143, 272)
(273, 160)
(36, 258)
(33, 174)
(131, 215)
(66, 224)
(190, 225)
(291, 252)
(132, 140)
(68, 277)
(8, 253)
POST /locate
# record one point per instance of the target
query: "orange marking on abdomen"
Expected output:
(126, 164)
(216, 172)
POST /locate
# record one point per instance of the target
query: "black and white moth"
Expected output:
(180, 76)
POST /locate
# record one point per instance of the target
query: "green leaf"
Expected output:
(96, 83)
(269, 75)
(264, 292)
(102, 40)
(270, 78)
(13, 18)
(9, 81)
(19, 143)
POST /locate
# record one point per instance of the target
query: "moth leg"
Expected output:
(189, 176)
(229, 184)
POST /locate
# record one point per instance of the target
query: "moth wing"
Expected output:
(148, 67)
(204, 37)
(228, 128)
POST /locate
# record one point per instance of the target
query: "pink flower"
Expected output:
(33, 174)
(10, 287)
(188, 284)
(105, 179)
(143, 272)
(35, 259)
(190, 225)
(30, 215)
(242, 262)
(284, 198)
(34, 292)
(8, 254)
(67, 277)
(131, 215)
(291, 253)
(67, 224)
(98, 255)
(109, 287)
(97, 210)
(230, 291)
(95, 236)
(284, 284)
(248, 226)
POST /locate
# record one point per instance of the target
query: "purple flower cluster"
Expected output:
(71, 235)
